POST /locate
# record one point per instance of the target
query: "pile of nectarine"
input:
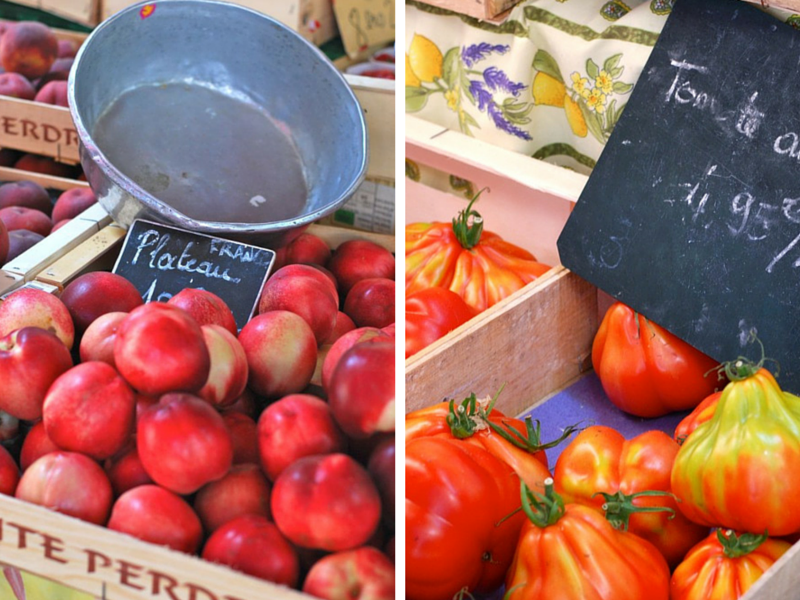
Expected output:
(28, 214)
(35, 62)
(270, 449)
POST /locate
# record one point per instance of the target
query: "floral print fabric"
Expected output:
(550, 81)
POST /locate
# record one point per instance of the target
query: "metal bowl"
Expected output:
(248, 58)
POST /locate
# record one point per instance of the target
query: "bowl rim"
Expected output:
(156, 207)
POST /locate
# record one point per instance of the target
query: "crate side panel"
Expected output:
(118, 567)
(534, 343)
(377, 100)
(39, 128)
(782, 580)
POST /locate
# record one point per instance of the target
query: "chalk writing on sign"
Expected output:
(744, 216)
(161, 261)
(747, 117)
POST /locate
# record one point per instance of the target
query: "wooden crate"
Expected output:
(46, 181)
(20, 271)
(313, 19)
(528, 202)
(485, 10)
(537, 341)
(85, 12)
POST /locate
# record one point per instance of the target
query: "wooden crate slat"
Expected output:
(462, 155)
(113, 565)
(542, 335)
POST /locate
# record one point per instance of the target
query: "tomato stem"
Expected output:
(542, 510)
(742, 367)
(468, 417)
(468, 225)
(463, 594)
(619, 507)
(734, 546)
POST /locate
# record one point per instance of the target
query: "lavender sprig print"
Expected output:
(502, 117)
(477, 52)
(508, 115)
(490, 90)
(497, 80)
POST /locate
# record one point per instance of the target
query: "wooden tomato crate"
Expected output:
(96, 560)
(528, 202)
(537, 342)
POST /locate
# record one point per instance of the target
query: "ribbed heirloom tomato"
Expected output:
(461, 524)
(477, 265)
(724, 566)
(474, 421)
(600, 467)
(700, 414)
(644, 369)
(741, 468)
(571, 552)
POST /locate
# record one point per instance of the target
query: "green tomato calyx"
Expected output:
(468, 225)
(619, 507)
(542, 509)
(734, 546)
(472, 415)
(742, 367)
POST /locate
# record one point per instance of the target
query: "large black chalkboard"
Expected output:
(161, 261)
(692, 213)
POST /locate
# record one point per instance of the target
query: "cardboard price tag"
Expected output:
(364, 24)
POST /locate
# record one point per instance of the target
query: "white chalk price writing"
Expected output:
(161, 261)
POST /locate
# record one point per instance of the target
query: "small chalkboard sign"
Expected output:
(161, 261)
(692, 213)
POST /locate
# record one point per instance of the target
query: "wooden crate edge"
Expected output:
(780, 580)
(46, 181)
(335, 236)
(548, 350)
(485, 10)
(39, 128)
(103, 562)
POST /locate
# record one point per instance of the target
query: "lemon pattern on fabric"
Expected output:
(425, 59)
(411, 77)
(575, 117)
(590, 100)
(548, 90)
